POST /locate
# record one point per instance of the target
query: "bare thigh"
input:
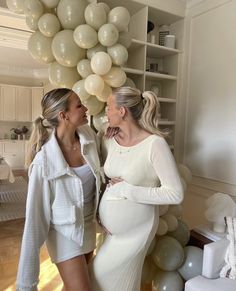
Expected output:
(74, 273)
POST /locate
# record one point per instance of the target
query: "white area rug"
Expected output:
(13, 199)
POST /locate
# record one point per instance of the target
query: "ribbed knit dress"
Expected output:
(128, 210)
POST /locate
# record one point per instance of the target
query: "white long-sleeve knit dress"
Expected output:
(128, 210)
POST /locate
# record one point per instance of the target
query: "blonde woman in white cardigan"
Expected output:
(142, 174)
(64, 183)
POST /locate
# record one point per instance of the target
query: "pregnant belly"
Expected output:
(122, 215)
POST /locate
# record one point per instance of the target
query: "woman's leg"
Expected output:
(74, 274)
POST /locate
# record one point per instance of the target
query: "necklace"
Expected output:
(73, 147)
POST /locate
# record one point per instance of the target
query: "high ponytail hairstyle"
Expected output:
(143, 107)
(52, 103)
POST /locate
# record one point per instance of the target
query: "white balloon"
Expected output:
(100, 121)
(162, 227)
(129, 83)
(105, 7)
(49, 24)
(116, 77)
(171, 221)
(118, 54)
(98, 48)
(33, 8)
(65, 50)
(50, 3)
(85, 36)
(32, 22)
(163, 209)
(16, 6)
(106, 92)
(94, 84)
(183, 184)
(101, 63)
(71, 13)
(185, 173)
(175, 210)
(63, 76)
(84, 68)
(125, 39)
(120, 17)
(95, 15)
(108, 34)
(79, 89)
(94, 105)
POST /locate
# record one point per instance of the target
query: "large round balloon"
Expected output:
(185, 173)
(50, 3)
(65, 50)
(94, 84)
(168, 254)
(171, 221)
(84, 68)
(95, 15)
(97, 48)
(192, 266)
(39, 47)
(71, 13)
(79, 89)
(116, 77)
(181, 233)
(32, 22)
(162, 227)
(176, 210)
(125, 39)
(100, 121)
(16, 6)
(108, 34)
(163, 209)
(101, 63)
(120, 17)
(49, 24)
(105, 6)
(94, 105)
(118, 54)
(33, 8)
(85, 36)
(167, 281)
(106, 92)
(129, 83)
(63, 76)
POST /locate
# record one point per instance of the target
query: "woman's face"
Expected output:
(113, 112)
(77, 111)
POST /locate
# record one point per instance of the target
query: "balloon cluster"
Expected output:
(169, 262)
(84, 44)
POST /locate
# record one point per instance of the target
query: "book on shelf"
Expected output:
(206, 230)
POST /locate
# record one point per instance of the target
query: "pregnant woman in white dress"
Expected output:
(142, 174)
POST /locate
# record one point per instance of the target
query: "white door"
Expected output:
(8, 98)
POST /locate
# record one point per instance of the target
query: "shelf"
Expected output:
(133, 71)
(136, 44)
(152, 75)
(166, 100)
(166, 122)
(157, 51)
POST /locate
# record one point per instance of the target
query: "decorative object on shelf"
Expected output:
(163, 31)
(155, 89)
(169, 41)
(1, 159)
(219, 205)
(153, 67)
(17, 131)
(150, 26)
(24, 131)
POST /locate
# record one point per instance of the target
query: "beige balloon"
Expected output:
(39, 47)
(50, 3)
(101, 63)
(118, 54)
(33, 8)
(162, 227)
(171, 221)
(49, 24)
(94, 105)
(116, 77)
(120, 17)
(94, 84)
(79, 89)
(71, 13)
(105, 7)
(129, 83)
(62, 76)
(32, 22)
(85, 36)
(97, 48)
(84, 68)
(16, 6)
(95, 15)
(65, 50)
(106, 92)
(108, 34)
(125, 39)
(100, 121)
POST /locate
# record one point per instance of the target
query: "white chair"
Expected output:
(213, 261)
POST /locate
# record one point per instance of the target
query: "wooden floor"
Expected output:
(10, 241)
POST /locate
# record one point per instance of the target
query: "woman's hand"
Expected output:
(111, 131)
(115, 180)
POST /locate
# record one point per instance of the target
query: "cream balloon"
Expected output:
(163, 209)
(125, 39)
(94, 84)
(71, 13)
(33, 8)
(171, 221)
(79, 89)
(116, 77)
(16, 6)
(175, 210)
(120, 17)
(84, 68)
(106, 92)
(94, 105)
(95, 15)
(185, 173)
(98, 48)
(32, 22)
(85, 36)
(105, 7)
(100, 121)
(129, 83)
(162, 227)
(39, 47)
(49, 24)
(50, 3)
(63, 76)
(65, 50)
(108, 34)
(101, 63)
(118, 54)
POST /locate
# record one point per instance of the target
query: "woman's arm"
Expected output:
(35, 231)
